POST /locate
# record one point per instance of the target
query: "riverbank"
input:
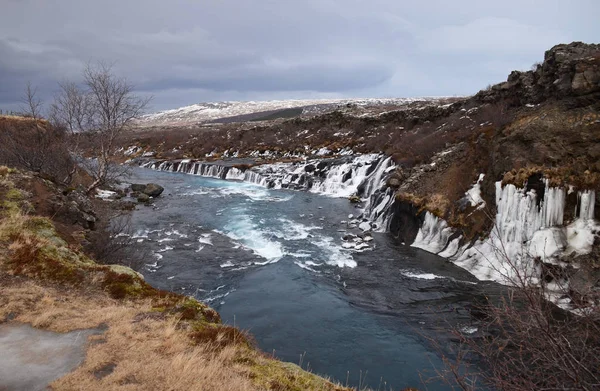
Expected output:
(152, 340)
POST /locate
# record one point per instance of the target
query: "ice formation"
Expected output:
(526, 229)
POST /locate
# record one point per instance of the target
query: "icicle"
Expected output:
(587, 199)
(433, 234)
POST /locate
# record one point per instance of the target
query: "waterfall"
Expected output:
(343, 180)
(586, 199)
(433, 235)
(340, 177)
(374, 182)
(254, 177)
(378, 206)
(525, 228)
(235, 174)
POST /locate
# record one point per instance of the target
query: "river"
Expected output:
(273, 262)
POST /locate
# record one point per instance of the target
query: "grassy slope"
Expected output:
(153, 339)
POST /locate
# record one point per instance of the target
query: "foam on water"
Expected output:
(305, 266)
(205, 239)
(250, 235)
(291, 230)
(334, 254)
(420, 276)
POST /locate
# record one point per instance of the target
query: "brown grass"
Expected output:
(152, 340)
(147, 349)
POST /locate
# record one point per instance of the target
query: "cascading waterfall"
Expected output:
(586, 199)
(335, 177)
(343, 180)
(193, 168)
(235, 174)
(374, 182)
(433, 235)
(254, 177)
(378, 206)
(525, 229)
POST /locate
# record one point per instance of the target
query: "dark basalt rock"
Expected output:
(153, 190)
(136, 187)
(150, 189)
(347, 176)
(568, 70)
(142, 197)
(406, 221)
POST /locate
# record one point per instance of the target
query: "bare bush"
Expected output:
(496, 114)
(33, 144)
(112, 243)
(526, 342)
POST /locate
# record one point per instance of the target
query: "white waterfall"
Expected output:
(235, 174)
(254, 177)
(374, 182)
(433, 235)
(587, 199)
(333, 177)
(524, 229)
(343, 180)
(378, 206)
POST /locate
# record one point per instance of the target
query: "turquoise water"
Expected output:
(271, 262)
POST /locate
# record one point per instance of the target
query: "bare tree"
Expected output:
(526, 342)
(31, 104)
(102, 109)
(29, 145)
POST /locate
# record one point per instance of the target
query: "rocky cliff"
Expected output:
(567, 71)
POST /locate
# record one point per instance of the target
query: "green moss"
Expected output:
(13, 194)
(274, 375)
(187, 309)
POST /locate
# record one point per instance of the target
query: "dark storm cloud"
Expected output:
(296, 78)
(184, 52)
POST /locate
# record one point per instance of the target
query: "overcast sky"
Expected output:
(185, 51)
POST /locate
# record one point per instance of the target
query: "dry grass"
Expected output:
(147, 349)
(20, 118)
(152, 340)
(436, 203)
(148, 352)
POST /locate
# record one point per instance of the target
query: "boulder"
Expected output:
(354, 199)
(393, 182)
(137, 187)
(143, 197)
(365, 226)
(153, 190)
(568, 70)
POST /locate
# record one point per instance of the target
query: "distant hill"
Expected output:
(226, 112)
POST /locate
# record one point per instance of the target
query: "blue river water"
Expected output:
(272, 262)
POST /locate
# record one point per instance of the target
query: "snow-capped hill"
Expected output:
(215, 111)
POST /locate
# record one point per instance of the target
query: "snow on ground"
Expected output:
(210, 111)
(105, 194)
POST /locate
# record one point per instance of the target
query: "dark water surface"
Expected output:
(271, 262)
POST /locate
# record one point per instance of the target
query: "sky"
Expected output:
(182, 52)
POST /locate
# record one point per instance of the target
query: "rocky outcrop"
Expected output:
(148, 190)
(568, 70)
(153, 190)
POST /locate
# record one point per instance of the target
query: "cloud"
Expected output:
(492, 35)
(183, 52)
